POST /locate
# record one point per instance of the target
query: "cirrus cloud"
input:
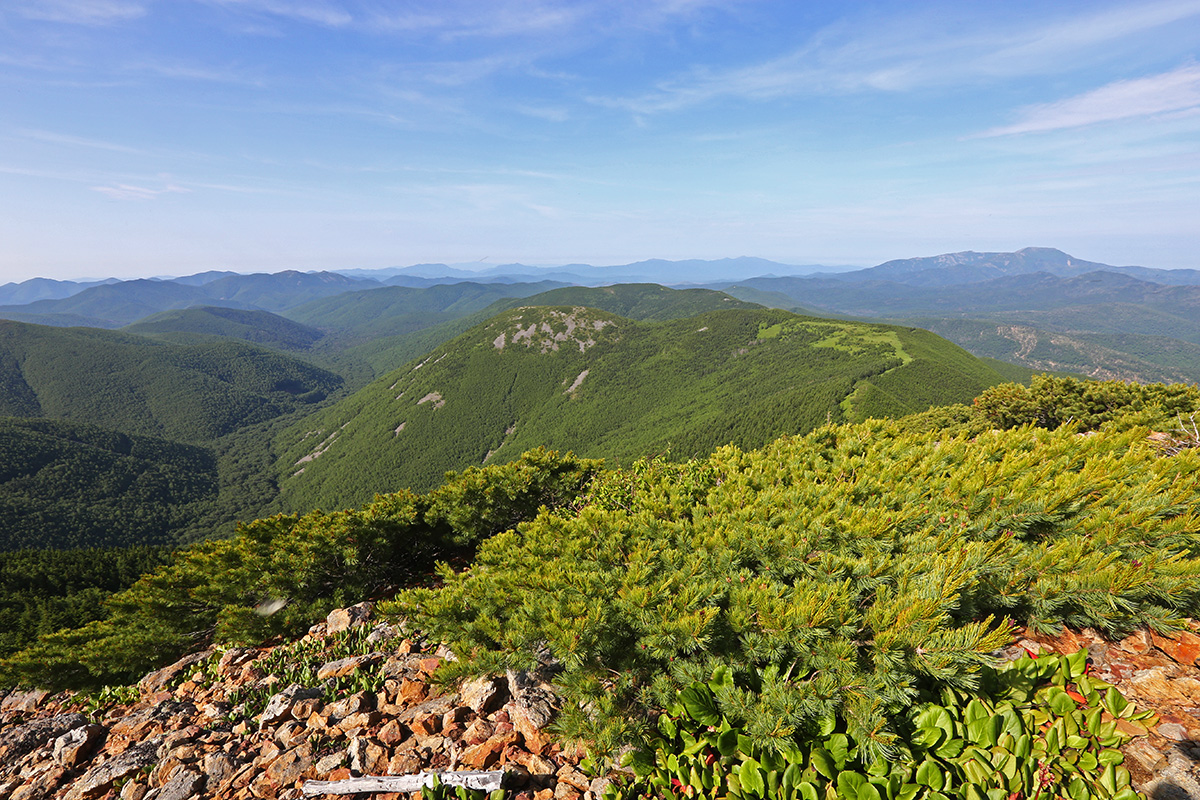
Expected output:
(125, 191)
(1177, 90)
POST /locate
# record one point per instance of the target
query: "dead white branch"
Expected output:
(488, 781)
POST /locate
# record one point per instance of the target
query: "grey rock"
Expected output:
(279, 707)
(100, 778)
(482, 694)
(219, 769)
(343, 619)
(76, 746)
(535, 698)
(158, 680)
(183, 785)
(22, 740)
(383, 632)
(23, 701)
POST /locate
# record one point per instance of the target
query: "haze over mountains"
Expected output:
(307, 389)
(1038, 307)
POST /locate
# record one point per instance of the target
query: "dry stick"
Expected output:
(471, 779)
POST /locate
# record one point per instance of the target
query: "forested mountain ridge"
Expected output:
(133, 384)
(647, 301)
(952, 269)
(607, 386)
(368, 332)
(1103, 356)
(112, 305)
(203, 323)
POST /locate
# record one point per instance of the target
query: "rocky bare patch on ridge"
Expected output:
(553, 329)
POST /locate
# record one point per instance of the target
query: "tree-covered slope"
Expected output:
(42, 591)
(136, 385)
(602, 385)
(425, 330)
(192, 325)
(834, 581)
(66, 485)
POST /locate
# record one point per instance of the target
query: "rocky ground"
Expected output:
(1154, 672)
(251, 723)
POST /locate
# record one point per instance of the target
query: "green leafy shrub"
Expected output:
(837, 575)
(1035, 728)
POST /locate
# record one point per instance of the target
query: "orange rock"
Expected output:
(345, 666)
(291, 765)
(368, 756)
(534, 764)
(303, 709)
(363, 719)
(405, 762)
(426, 724)
(486, 754)
(477, 732)
(1182, 646)
(569, 775)
(1137, 642)
(1069, 642)
(412, 692)
(392, 733)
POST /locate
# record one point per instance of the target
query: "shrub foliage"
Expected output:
(835, 575)
(278, 575)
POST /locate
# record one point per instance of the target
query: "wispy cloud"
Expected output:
(908, 52)
(82, 12)
(125, 191)
(315, 12)
(475, 20)
(236, 76)
(449, 20)
(1178, 90)
(1065, 36)
(75, 141)
(546, 113)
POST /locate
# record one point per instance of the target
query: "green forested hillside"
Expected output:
(133, 384)
(66, 485)
(42, 591)
(606, 386)
(646, 302)
(193, 325)
(643, 301)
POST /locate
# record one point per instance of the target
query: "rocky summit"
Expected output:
(229, 724)
(355, 697)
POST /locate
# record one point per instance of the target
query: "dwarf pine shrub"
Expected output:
(837, 575)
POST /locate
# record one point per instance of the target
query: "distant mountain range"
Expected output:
(370, 320)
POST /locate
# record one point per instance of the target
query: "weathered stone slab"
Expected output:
(100, 778)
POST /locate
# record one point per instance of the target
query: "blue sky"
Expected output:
(153, 137)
